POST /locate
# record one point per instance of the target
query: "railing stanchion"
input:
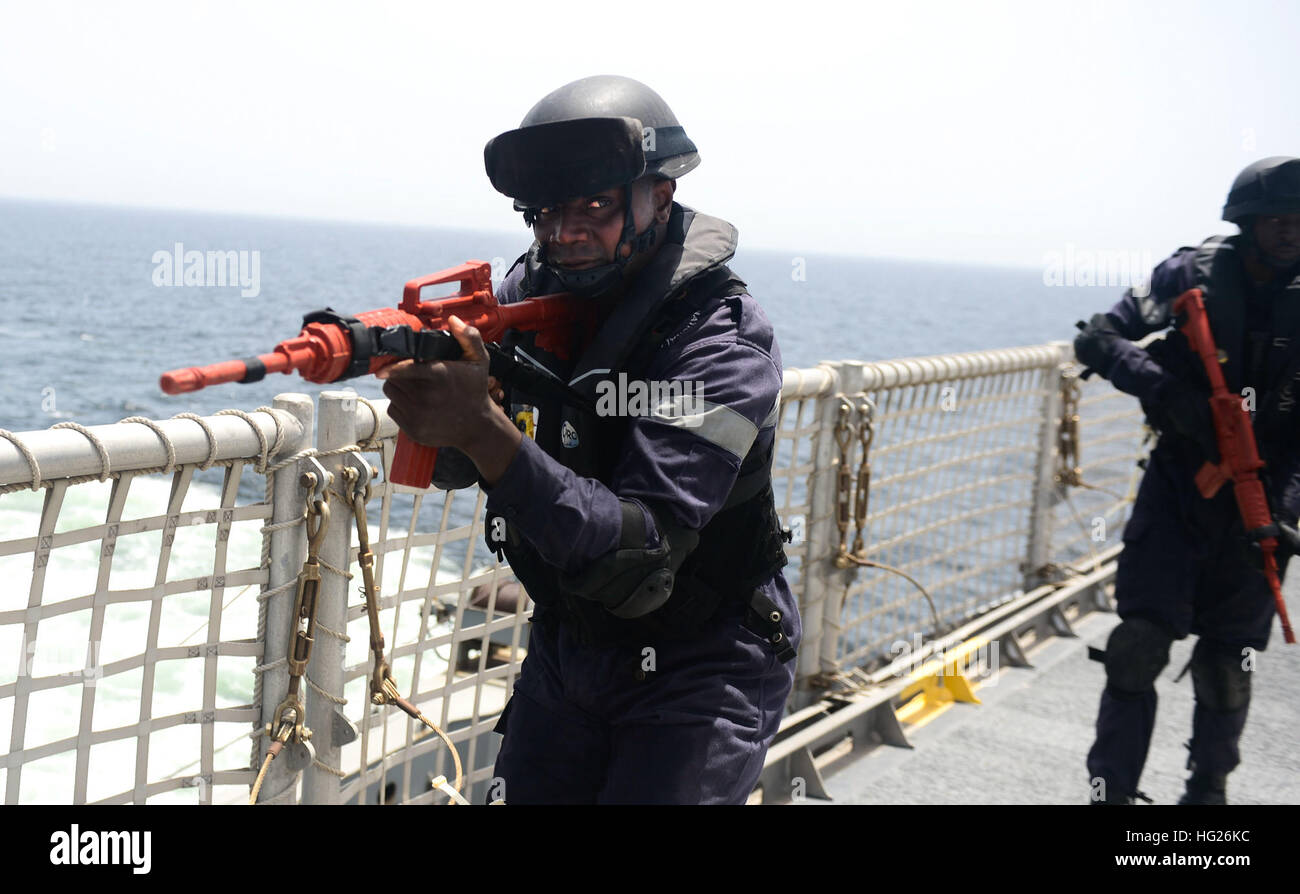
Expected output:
(1046, 493)
(288, 549)
(338, 428)
(823, 581)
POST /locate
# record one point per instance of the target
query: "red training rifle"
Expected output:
(1239, 460)
(332, 347)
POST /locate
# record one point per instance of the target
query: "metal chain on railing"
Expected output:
(288, 726)
(843, 483)
(383, 688)
(370, 442)
(866, 432)
(289, 723)
(846, 495)
(1069, 470)
(1069, 467)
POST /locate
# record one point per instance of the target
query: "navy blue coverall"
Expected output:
(587, 722)
(1186, 566)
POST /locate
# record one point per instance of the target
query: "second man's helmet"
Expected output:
(1269, 186)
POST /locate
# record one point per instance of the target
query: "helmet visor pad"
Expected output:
(549, 163)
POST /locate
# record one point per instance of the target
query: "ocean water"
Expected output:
(61, 646)
(87, 330)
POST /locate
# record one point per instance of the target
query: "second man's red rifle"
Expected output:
(1239, 460)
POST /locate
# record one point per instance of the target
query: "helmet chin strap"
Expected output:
(596, 281)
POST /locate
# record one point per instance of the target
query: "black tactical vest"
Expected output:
(1267, 361)
(741, 546)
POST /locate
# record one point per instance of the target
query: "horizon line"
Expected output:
(405, 225)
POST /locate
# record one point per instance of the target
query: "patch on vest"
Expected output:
(526, 420)
(568, 436)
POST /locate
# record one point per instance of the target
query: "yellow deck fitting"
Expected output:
(943, 681)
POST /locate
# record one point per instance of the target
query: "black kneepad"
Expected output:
(1219, 679)
(1136, 653)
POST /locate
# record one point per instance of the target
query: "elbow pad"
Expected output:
(632, 580)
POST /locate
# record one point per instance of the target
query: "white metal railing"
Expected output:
(150, 572)
(116, 620)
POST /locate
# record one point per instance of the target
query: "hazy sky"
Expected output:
(979, 132)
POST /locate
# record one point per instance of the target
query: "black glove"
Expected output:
(1288, 541)
(1093, 346)
(1288, 538)
(1185, 411)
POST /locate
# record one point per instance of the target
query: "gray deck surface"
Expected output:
(1027, 742)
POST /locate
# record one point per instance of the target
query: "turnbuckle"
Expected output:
(309, 580)
(866, 433)
(843, 480)
(1068, 470)
(288, 722)
(359, 474)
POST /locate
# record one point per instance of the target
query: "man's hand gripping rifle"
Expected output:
(332, 347)
(1239, 457)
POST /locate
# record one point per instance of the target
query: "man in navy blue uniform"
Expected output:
(629, 482)
(1188, 566)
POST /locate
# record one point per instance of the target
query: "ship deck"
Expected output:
(1027, 741)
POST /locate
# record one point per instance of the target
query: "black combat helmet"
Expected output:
(588, 136)
(669, 153)
(1269, 186)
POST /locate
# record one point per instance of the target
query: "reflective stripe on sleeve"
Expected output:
(715, 423)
